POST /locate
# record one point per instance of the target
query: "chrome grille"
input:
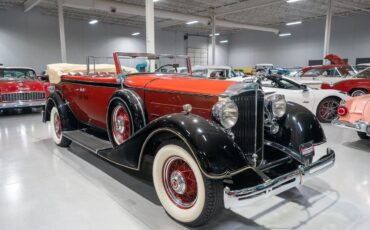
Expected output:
(249, 129)
(24, 96)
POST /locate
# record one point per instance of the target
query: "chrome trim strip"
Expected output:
(21, 104)
(359, 126)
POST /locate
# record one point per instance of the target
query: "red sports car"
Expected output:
(357, 85)
(20, 88)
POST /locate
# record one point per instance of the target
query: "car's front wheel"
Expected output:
(57, 128)
(363, 136)
(358, 92)
(120, 124)
(327, 109)
(185, 194)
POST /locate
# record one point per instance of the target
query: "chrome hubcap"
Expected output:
(178, 182)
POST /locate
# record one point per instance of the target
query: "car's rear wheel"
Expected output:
(358, 92)
(327, 109)
(57, 129)
(120, 123)
(363, 136)
(185, 194)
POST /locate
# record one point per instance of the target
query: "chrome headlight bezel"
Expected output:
(277, 105)
(226, 113)
(51, 88)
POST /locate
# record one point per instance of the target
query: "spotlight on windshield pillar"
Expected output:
(93, 21)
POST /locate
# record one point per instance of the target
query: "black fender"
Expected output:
(298, 126)
(134, 104)
(216, 153)
(69, 122)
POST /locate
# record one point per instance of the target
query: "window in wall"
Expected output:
(315, 62)
(362, 60)
(198, 56)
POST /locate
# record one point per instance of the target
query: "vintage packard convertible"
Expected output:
(213, 143)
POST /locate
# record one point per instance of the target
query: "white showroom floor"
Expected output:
(46, 187)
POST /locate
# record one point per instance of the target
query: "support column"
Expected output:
(150, 30)
(329, 16)
(213, 40)
(62, 35)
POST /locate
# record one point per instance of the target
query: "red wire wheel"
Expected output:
(179, 182)
(57, 125)
(120, 124)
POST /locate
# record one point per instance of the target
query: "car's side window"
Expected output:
(200, 73)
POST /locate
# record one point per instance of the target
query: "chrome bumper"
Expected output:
(359, 126)
(246, 196)
(21, 104)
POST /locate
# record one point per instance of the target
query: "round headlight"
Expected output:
(226, 113)
(278, 105)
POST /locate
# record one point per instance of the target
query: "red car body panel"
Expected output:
(349, 85)
(89, 102)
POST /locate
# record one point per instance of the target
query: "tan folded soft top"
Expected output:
(55, 71)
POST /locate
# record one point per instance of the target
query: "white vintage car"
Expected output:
(323, 103)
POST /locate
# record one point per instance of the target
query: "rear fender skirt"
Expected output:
(69, 122)
(297, 127)
(134, 103)
(214, 150)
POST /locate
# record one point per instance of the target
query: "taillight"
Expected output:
(342, 111)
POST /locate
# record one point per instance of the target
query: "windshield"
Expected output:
(331, 72)
(363, 74)
(151, 63)
(17, 74)
(280, 83)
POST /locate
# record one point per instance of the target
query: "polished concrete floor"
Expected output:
(43, 186)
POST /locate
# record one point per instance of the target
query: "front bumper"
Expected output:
(359, 126)
(271, 187)
(21, 104)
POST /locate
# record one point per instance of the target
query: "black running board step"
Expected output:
(88, 141)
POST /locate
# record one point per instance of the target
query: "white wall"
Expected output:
(32, 39)
(350, 38)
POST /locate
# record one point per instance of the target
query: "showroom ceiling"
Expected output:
(265, 13)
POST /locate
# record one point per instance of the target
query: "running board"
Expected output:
(88, 141)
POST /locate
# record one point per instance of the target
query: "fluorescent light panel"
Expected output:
(216, 34)
(224, 41)
(93, 21)
(293, 23)
(192, 22)
(135, 34)
(285, 34)
(291, 1)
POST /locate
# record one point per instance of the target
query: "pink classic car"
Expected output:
(355, 114)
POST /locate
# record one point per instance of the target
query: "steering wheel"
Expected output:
(167, 65)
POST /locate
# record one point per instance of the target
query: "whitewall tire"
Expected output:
(184, 193)
(56, 129)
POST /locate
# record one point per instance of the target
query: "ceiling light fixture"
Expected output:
(224, 41)
(94, 21)
(135, 34)
(155, 0)
(293, 23)
(285, 34)
(192, 22)
(216, 34)
(291, 1)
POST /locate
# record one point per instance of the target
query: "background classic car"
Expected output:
(357, 85)
(355, 114)
(20, 88)
(337, 70)
(214, 143)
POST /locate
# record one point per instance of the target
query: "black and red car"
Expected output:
(214, 143)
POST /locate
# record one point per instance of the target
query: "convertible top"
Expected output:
(55, 71)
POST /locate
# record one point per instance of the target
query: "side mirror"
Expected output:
(304, 88)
